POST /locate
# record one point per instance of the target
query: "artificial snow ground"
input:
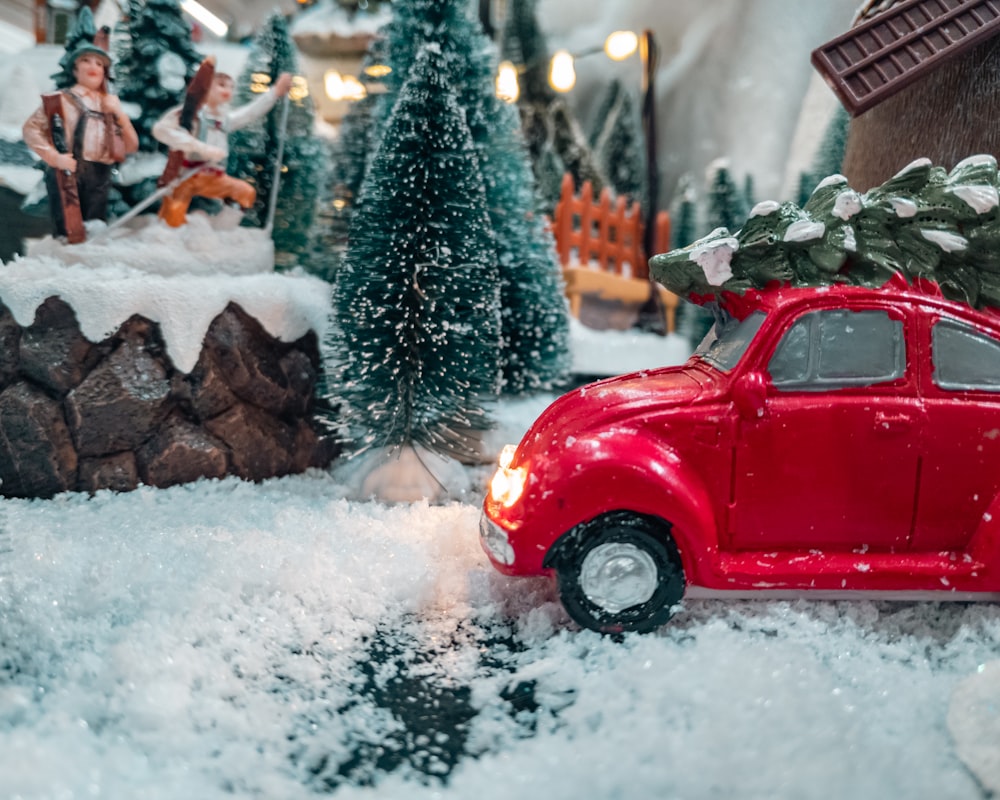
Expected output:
(277, 640)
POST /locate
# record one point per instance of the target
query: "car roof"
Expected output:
(777, 295)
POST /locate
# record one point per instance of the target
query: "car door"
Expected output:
(830, 462)
(961, 470)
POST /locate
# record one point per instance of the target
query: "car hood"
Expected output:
(617, 401)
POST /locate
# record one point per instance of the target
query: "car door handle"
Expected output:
(885, 421)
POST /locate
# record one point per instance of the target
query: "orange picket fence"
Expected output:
(600, 247)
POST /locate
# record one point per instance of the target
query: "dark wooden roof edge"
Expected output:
(886, 53)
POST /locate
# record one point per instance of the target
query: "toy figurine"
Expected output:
(205, 145)
(81, 132)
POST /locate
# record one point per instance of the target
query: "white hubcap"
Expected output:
(618, 575)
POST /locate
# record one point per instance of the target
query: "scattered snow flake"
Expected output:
(979, 198)
(987, 516)
(847, 204)
(862, 566)
(764, 208)
(945, 581)
(715, 259)
(903, 207)
(804, 230)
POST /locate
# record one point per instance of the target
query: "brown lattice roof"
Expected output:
(895, 42)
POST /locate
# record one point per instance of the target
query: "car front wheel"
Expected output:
(620, 572)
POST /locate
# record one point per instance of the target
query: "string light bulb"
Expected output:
(562, 72)
(621, 44)
(508, 89)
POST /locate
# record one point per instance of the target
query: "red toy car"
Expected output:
(833, 439)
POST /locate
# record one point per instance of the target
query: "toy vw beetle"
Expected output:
(830, 438)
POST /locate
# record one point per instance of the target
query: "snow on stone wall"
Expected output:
(179, 279)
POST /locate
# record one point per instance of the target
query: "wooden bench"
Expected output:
(600, 247)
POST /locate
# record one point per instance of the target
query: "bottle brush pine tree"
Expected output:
(349, 159)
(725, 203)
(253, 150)
(155, 60)
(416, 300)
(617, 143)
(535, 334)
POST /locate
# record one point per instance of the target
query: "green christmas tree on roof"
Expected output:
(925, 223)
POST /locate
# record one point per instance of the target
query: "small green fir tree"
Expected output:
(725, 203)
(253, 150)
(348, 162)
(416, 301)
(535, 335)
(829, 155)
(617, 143)
(155, 60)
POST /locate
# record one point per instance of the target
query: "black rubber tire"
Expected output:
(648, 535)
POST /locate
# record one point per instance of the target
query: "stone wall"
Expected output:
(77, 415)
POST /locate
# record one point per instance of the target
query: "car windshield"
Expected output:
(728, 339)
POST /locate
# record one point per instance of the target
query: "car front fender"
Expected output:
(625, 472)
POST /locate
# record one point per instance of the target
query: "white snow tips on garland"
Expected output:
(108, 280)
(715, 256)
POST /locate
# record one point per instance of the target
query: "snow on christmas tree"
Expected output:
(535, 335)
(924, 224)
(154, 62)
(416, 301)
(253, 150)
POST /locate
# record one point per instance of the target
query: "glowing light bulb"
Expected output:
(620, 45)
(507, 87)
(333, 84)
(562, 73)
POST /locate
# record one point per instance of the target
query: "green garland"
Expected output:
(924, 223)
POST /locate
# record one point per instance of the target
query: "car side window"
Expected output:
(836, 348)
(964, 359)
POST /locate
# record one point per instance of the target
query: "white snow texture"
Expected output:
(213, 640)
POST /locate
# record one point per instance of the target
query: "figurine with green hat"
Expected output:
(81, 131)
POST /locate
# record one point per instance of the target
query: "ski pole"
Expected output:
(273, 200)
(140, 207)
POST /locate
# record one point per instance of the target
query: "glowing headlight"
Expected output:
(507, 484)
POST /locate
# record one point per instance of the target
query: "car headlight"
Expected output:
(495, 541)
(507, 484)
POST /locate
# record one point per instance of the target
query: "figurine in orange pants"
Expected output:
(207, 146)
